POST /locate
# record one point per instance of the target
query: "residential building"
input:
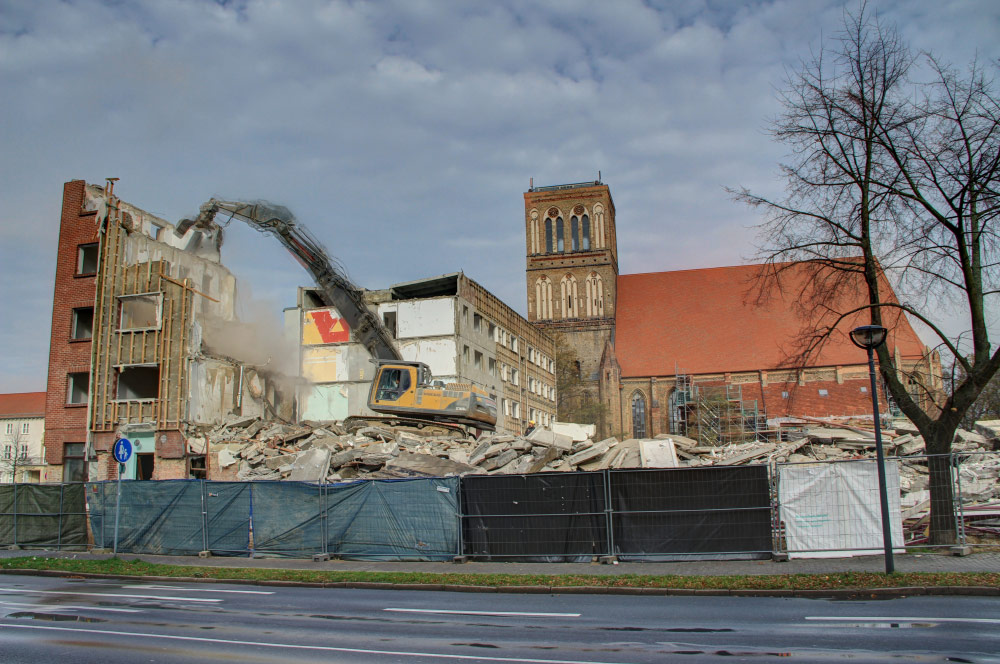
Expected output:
(22, 430)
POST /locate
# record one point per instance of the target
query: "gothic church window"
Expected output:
(575, 226)
(548, 236)
(543, 298)
(595, 295)
(638, 415)
(568, 295)
(534, 232)
(599, 240)
(560, 243)
(586, 232)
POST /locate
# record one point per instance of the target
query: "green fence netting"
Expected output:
(394, 519)
(287, 518)
(43, 515)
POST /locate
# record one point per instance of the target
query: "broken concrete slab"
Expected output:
(551, 439)
(577, 432)
(589, 453)
(311, 466)
(657, 454)
(430, 466)
(226, 458)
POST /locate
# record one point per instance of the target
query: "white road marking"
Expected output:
(61, 607)
(298, 646)
(921, 619)
(26, 591)
(489, 613)
(203, 590)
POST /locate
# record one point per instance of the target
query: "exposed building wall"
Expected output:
(74, 289)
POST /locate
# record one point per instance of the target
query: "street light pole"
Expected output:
(870, 337)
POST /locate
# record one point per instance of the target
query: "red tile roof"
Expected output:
(22, 404)
(707, 321)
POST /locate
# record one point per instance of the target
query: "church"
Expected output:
(700, 352)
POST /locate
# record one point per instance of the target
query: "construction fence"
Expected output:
(825, 509)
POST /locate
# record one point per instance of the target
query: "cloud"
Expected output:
(403, 133)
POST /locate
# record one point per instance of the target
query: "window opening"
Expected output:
(575, 229)
(79, 388)
(86, 260)
(478, 360)
(548, 236)
(74, 463)
(638, 415)
(389, 319)
(586, 232)
(24, 427)
(83, 323)
(140, 312)
(138, 383)
(560, 244)
(196, 468)
(144, 466)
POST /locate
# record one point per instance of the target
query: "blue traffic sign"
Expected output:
(123, 450)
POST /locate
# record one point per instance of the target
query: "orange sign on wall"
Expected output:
(323, 326)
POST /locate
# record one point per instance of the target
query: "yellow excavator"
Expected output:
(402, 390)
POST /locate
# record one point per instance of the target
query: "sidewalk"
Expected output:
(986, 561)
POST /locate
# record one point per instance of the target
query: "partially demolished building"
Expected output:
(460, 330)
(138, 342)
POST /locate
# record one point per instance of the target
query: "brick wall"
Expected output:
(65, 423)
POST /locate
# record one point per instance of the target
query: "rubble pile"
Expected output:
(254, 449)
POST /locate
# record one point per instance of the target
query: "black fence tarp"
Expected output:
(43, 515)
(685, 512)
(287, 518)
(551, 517)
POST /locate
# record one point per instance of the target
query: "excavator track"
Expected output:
(427, 428)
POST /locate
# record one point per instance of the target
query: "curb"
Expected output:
(834, 593)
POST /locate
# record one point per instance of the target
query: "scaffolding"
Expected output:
(715, 415)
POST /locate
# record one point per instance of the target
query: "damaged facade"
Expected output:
(459, 329)
(139, 325)
(691, 352)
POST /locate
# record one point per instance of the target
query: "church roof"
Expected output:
(708, 321)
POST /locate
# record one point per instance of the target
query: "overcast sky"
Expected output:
(403, 134)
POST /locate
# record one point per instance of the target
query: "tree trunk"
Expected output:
(943, 527)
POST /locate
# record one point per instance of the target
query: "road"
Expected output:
(44, 619)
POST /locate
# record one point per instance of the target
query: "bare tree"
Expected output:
(892, 178)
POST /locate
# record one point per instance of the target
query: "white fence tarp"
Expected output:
(832, 510)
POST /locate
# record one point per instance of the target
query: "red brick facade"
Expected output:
(64, 422)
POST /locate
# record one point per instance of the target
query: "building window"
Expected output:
(575, 230)
(560, 244)
(477, 322)
(389, 320)
(465, 315)
(492, 330)
(10, 428)
(599, 239)
(513, 376)
(78, 388)
(478, 360)
(586, 232)
(513, 344)
(548, 236)
(24, 427)
(8, 450)
(864, 390)
(24, 451)
(824, 393)
(543, 298)
(638, 415)
(86, 259)
(465, 354)
(74, 463)
(140, 312)
(784, 395)
(493, 367)
(138, 383)
(595, 295)
(568, 293)
(516, 409)
(83, 323)
(155, 230)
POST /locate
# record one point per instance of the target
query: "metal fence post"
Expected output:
(958, 515)
(459, 515)
(322, 511)
(204, 516)
(62, 494)
(608, 513)
(15, 513)
(772, 469)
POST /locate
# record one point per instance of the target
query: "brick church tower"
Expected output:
(572, 269)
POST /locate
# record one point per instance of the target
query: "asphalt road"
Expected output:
(44, 619)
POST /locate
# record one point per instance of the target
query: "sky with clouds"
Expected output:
(404, 133)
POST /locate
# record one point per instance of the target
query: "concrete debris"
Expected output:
(255, 450)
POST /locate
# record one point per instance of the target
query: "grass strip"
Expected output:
(836, 581)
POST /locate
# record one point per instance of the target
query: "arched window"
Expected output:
(575, 227)
(534, 233)
(586, 232)
(548, 236)
(543, 298)
(595, 295)
(599, 240)
(638, 415)
(560, 245)
(568, 294)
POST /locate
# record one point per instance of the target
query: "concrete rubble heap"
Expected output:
(253, 449)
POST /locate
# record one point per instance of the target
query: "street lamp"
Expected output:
(871, 337)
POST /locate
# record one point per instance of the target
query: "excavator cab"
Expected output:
(404, 389)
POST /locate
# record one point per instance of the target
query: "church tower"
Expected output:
(572, 269)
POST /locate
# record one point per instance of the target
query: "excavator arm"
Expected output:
(335, 287)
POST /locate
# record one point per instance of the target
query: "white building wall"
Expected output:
(12, 438)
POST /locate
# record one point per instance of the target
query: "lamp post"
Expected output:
(871, 337)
